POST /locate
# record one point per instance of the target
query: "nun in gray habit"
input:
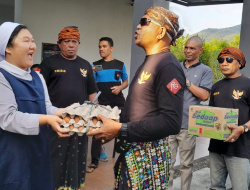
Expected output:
(25, 110)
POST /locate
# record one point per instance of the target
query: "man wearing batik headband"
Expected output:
(69, 79)
(234, 53)
(166, 19)
(70, 32)
(153, 108)
(231, 156)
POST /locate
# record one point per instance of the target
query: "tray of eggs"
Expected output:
(76, 124)
(81, 119)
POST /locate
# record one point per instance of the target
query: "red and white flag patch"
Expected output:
(174, 86)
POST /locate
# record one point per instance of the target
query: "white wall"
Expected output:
(95, 19)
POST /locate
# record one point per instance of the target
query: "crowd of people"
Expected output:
(37, 154)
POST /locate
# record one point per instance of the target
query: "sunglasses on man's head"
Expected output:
(228, 59)
(146, 22)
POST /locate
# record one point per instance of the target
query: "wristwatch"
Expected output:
(123, 132)
(245, 127)
(188, 83)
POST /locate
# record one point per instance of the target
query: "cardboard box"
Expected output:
(211, 122)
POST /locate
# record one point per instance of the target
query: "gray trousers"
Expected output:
(186, 144)
(222, 166)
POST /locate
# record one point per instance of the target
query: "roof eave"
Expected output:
(205, 2)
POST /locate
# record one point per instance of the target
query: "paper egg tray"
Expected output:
(81, 119)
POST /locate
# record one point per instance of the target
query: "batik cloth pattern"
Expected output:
(147, 166)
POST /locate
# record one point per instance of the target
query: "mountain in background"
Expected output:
(223, 33)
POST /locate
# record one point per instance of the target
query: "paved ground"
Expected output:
(201, 176)
(200, 181)
(103, 179)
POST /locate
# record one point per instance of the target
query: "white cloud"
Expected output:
(196, 18)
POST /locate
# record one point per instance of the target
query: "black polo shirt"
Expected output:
(68, 81)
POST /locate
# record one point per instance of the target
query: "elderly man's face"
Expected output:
(230, 70)
(69, 48)
(146, 36)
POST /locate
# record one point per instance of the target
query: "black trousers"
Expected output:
(96, 147)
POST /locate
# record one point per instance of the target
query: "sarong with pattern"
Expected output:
(144, 166)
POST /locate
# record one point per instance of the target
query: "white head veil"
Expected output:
(6, 30)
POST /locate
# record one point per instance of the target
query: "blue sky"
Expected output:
(197, 18)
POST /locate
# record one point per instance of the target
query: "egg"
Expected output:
(71, 127)
(67, 118)
(77, 119)
(94, 120)
(80, 128)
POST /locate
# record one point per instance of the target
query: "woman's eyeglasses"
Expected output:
(146, 22)
(228, 59)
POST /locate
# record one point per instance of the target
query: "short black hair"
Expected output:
(108, 39)
(197, 39)
(35, 66)
(14, 34)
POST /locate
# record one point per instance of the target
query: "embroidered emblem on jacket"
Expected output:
(83, 72)
(174, 86)
(216, 93)
(60, 71)
(144, 76)
(237, 94)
